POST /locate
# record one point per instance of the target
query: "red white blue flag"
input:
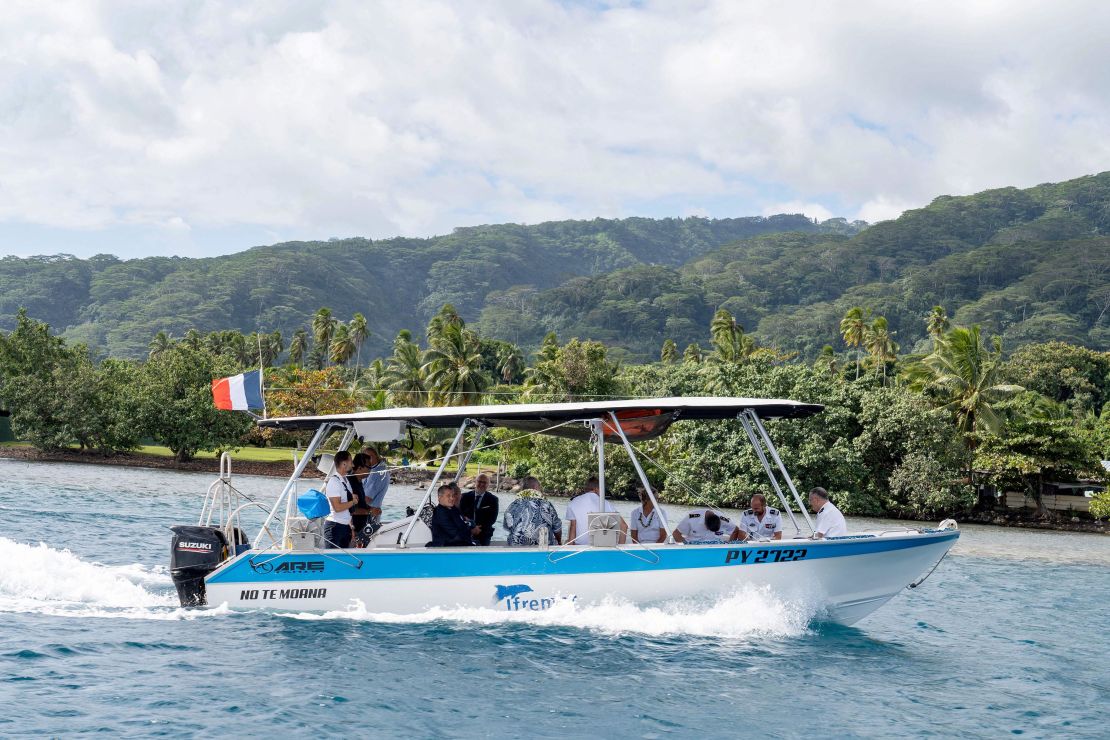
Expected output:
(239, 392)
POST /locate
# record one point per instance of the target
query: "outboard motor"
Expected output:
(195, 552)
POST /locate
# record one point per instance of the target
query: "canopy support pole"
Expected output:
(598, 427)
(298, 470)
(464, 459)
(432, 486)
(643, 476)
(767, 469)
(758, 423)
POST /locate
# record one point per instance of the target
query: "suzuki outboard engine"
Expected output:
(196, 552)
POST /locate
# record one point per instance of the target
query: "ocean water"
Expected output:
(1011, 635)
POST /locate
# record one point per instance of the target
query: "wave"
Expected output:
(39, 579)
(747, 612)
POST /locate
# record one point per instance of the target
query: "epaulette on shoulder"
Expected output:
(771, 510)
(725, 519)
(695, 514)
(749, 512)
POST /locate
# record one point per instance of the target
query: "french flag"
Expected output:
(239, 392)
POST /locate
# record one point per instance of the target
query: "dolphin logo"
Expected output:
(507, 592)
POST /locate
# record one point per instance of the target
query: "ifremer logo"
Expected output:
(510, 597)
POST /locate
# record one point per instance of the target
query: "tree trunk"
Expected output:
(181, 455)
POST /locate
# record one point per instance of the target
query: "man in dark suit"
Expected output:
(449, 528)
(481, 507)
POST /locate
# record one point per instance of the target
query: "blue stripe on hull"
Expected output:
(291, 568)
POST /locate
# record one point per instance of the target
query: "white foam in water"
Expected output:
(747, 612)
(40, 579)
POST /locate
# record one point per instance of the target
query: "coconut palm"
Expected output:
(692, 354)
(342, 344)
(510, 362)
(936, 323)
(359, 334)
(966, 376)
(162, 342)
(298, 347)
(827, 361)
(193, 339)
(853, 327)
(403, 376)
(880, 345)
(669, 353)
(453, 366)
(323, 325)
(447, 316)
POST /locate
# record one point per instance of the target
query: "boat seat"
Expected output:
(604, 529)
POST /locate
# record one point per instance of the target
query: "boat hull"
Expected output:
(846, 577)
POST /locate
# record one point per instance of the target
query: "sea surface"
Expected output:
(1011, 635)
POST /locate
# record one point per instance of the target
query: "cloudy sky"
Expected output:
(138, 128)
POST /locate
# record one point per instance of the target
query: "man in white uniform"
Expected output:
(761, 522)
(830, 522)
(705, 526)
(579, 510)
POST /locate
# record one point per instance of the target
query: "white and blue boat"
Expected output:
(284, 566)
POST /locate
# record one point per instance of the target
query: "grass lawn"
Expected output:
(248, 454)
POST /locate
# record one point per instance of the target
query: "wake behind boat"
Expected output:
(285, 567)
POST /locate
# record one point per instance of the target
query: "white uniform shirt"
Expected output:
(830, 522)
(764, 529)
(578, 511)
(338, 487)
(647, 526)
(693, 528)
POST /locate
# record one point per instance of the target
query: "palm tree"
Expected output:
(403, 376)
(342, 345)
(692, 354)
(966, 376)
(193, 339)
(936, 323)
(827, 361)
(323, 324)
(669, 353)
(880, 344)
(161, 343)
(853, 327)
(298, 347)
(447, 316)
(359, 334)
(729, 340)
(453, 366)
(510, 362)
(276, 345)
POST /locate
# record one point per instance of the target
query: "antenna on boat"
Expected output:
(261, 373)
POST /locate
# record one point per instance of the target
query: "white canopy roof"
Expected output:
(539, 415)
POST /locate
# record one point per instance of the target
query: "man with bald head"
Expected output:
(481, 507)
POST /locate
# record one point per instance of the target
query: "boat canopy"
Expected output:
(641, 418)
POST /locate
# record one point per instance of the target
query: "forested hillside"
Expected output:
(1031, 265)
(117, 306)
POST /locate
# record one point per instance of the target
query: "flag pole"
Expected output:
(261, 374)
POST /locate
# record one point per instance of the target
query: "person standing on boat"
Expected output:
(449, 527)
(761, 522)
(830, 522)
(646, 524)
(360, 513)
(481, 507)
(337, 527)
(707, 525)
(530, 513)
(376, 483)
(579, 510)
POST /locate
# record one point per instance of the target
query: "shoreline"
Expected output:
(414, 476)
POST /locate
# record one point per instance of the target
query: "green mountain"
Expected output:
(1031, 265)
(117, 306)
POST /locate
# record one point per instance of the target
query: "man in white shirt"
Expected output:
(830, 522)
(706, 525)
(579, 510)
(761, 522)
(337, 527)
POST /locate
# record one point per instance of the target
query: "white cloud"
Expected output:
(303, 119)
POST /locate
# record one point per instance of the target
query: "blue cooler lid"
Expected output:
(313, 504)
